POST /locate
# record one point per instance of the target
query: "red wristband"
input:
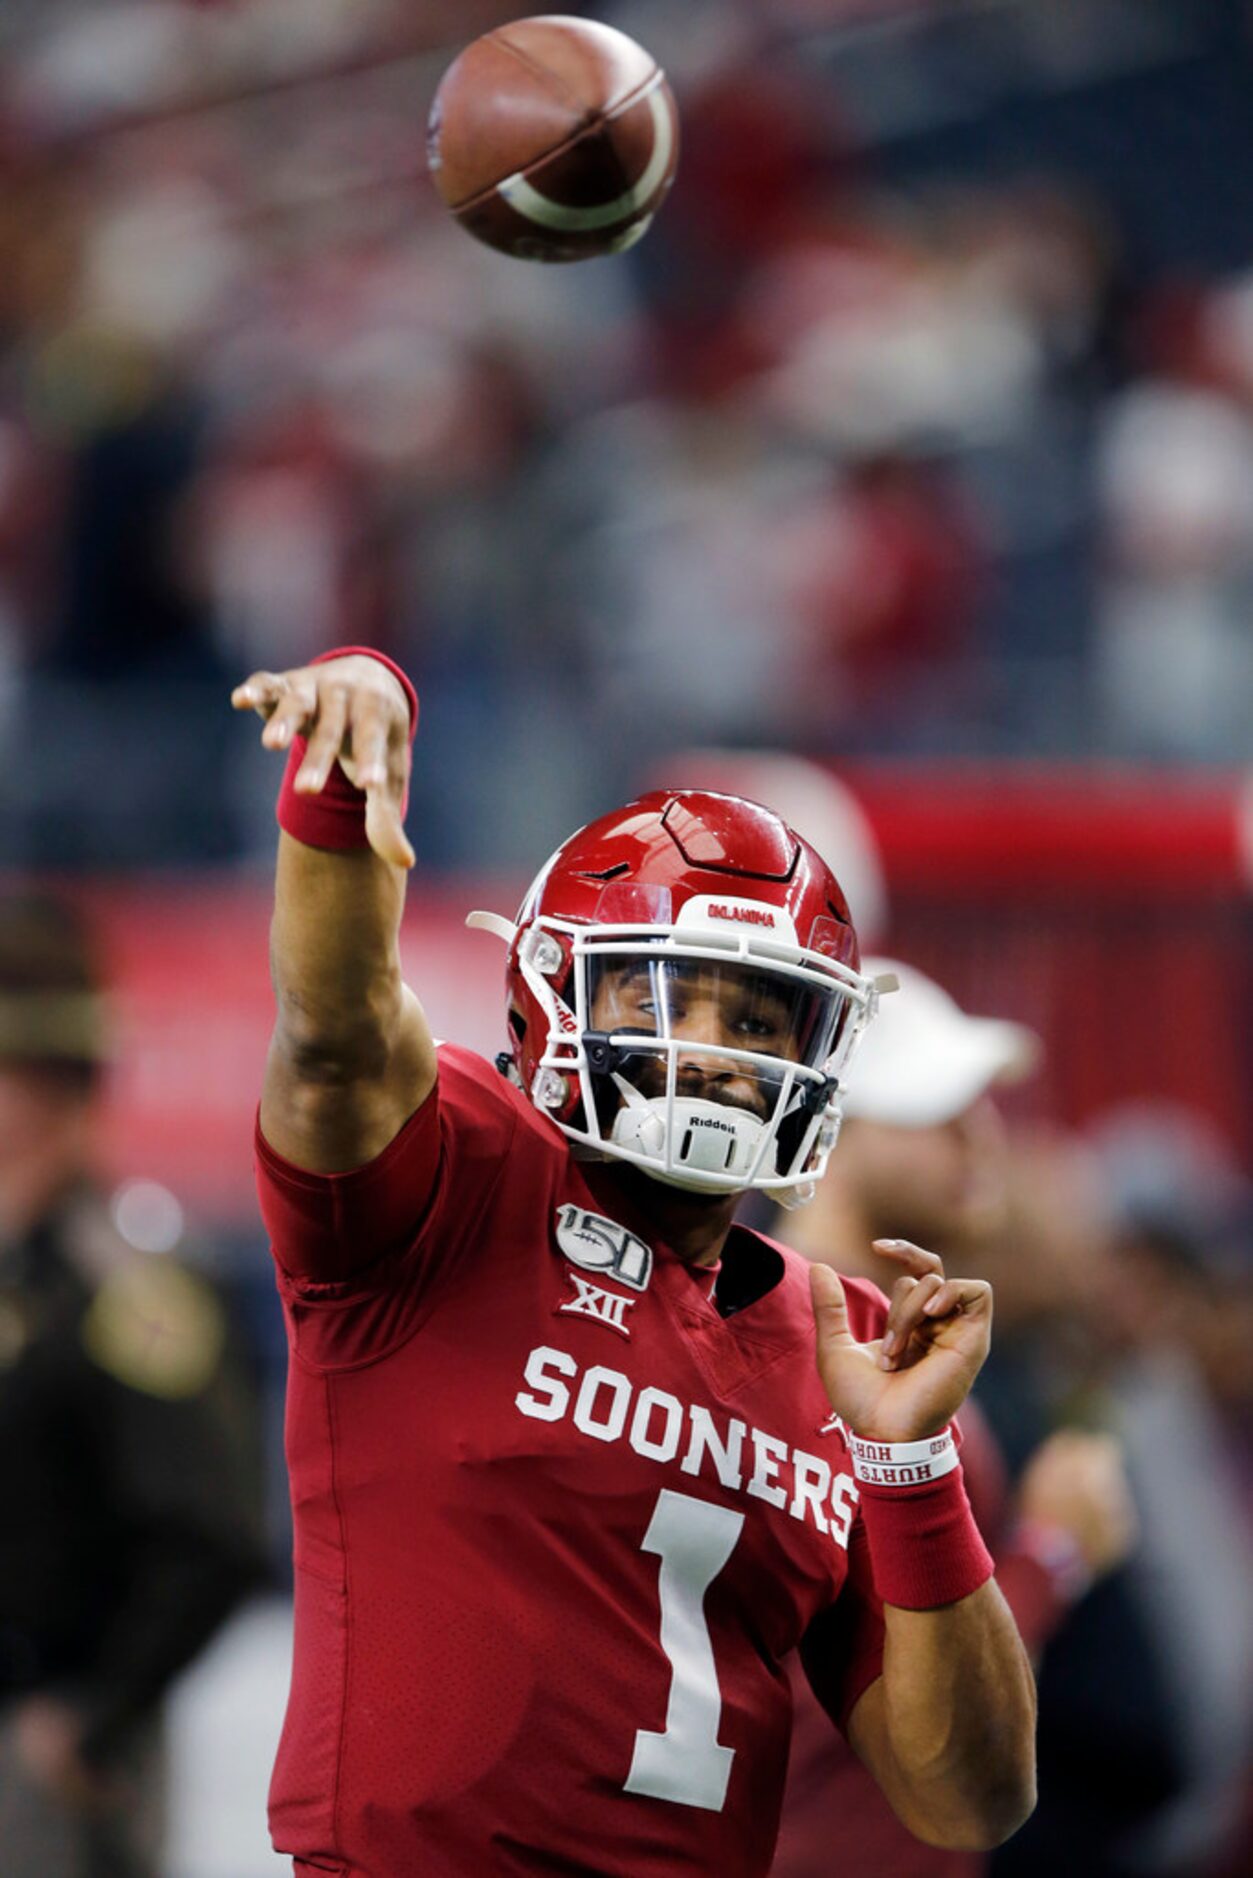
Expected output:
(334, 818)
(925, 1549)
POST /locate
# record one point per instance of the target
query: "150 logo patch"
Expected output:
(601, 1245)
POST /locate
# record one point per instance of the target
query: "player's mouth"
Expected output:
(739, 1092)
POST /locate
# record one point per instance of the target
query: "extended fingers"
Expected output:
(910, 1298)
(830, 1308)
(369, 740)
(959, 1297)
(921, 1269)
(381, 759)
(260, 692)
(292, 710)
(826, 1291)
(920, 1307)
(913, 1258)
(325, 739)
(385, 831)
(346, 713)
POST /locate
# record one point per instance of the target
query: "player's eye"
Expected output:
(762, 1017)
(637, 1003)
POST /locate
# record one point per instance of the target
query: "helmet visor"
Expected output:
(725, 1030)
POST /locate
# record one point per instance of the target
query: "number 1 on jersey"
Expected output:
(687, 1763)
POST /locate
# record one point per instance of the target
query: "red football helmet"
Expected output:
(684, 994)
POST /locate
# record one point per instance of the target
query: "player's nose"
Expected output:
(703, 1025)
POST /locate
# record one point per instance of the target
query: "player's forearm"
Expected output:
(351, 1057)
(956, 1721)
(335, 958)
(345, 723)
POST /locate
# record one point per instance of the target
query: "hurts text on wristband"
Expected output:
(902, 1463)
(334, 818)
(925, 1549)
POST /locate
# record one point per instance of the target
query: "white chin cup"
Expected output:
(708, 1137)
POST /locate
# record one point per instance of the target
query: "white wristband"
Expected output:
(902, 1463)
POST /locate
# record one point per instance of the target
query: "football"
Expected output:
(554, 139)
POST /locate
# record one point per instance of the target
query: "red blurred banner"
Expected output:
(1112, 910)
(1114, 832)
(1112, 914)
(193, 1010)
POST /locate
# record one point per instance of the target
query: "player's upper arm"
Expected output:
(842, 1651)
(329, 1110)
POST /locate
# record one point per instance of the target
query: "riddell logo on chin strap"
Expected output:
(743, 915)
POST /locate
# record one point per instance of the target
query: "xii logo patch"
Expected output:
(603, 1307)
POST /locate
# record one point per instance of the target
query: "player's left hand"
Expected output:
(910, 1382)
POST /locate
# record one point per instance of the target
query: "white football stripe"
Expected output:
(528, 202)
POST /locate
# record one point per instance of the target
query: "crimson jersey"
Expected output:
(559, 1521)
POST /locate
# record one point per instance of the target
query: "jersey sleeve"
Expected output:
(330, 1230)
(389, 1228)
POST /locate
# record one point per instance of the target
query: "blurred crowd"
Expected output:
(130, 1456)
(1108, 1446)
(920, 423)
(1125, 1299)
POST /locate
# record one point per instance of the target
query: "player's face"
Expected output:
(712, 1008)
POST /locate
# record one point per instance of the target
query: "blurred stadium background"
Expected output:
(916, 442)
